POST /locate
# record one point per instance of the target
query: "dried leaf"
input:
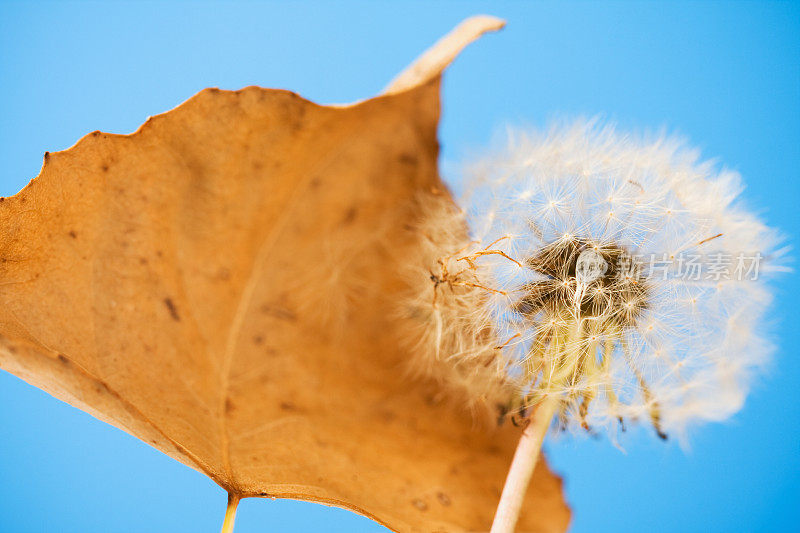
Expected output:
(220, 284)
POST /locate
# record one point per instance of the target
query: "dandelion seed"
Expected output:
(608, 321)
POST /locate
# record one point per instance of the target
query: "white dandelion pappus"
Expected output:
(596, 278)
(605, 282)
(641, 336)
(608, 279)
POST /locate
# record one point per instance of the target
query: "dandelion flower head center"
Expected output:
(586, 279)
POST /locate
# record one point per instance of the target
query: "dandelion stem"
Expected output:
(525, 458)
(230, 513)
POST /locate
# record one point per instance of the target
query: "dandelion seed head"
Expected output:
(575, 280)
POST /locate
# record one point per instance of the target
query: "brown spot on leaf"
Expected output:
(288, 406)
(419, 504)
(443, 498)
(173, 311)
(73, 234)
(408, 159)
(350, 216)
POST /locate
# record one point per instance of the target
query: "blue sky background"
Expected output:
(726, 75)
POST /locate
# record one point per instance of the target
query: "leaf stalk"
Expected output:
(230, 513)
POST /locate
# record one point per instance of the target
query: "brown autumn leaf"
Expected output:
(220, 284)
